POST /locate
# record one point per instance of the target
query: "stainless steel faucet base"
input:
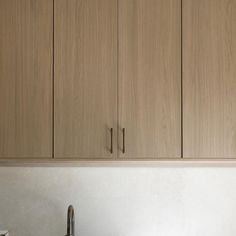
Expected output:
(4, 233)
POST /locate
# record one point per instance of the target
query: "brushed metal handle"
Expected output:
(111, 130)
(123, 133)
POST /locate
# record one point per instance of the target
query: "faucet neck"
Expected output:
(70, 221)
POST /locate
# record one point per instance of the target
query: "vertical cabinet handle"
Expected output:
(111, 130)
(123, 133)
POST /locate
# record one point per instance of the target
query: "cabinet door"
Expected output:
(150, 78)
(209, 78)
(26, 39)
(85, 78)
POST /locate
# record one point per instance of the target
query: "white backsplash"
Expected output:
(119, 201)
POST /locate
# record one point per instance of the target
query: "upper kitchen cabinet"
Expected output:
(209, 78)
(26, 65)
(85, 78)
(149, 79)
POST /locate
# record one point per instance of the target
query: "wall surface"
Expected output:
(119, 201)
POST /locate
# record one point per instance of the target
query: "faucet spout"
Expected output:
(70, 221)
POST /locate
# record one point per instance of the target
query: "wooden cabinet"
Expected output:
(92, 84)
(85, 78)
(117, 79)
(75, 74)
(26, 62)
(209, 78)
(150, 78)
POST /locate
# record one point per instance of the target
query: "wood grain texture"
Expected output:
(85, 78)
(209, 78)
(26, 28)
(150, 78)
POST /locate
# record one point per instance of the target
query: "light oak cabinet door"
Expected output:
(150, 78)
(209, 78)
(26, 62)
(85, 78)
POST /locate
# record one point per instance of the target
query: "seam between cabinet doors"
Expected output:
(181, 86)
(53, 80)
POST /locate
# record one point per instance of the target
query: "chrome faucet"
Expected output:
(70, 221)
